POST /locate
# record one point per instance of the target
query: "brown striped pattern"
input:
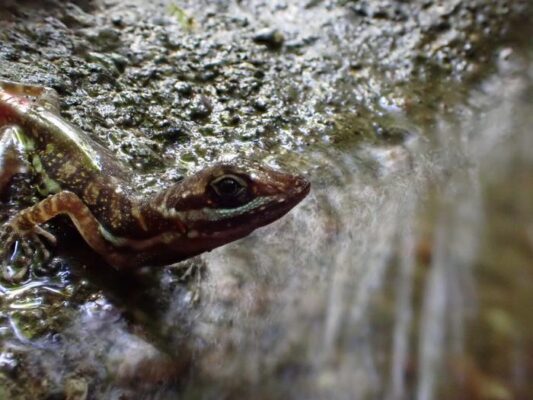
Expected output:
(70, 204)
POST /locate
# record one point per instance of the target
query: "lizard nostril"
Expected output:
(302, 182)
(301, 185)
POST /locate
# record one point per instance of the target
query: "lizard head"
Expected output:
(227, 201)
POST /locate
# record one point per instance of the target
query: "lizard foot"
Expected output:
(22, 251)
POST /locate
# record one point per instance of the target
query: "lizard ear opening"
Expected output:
(229, 190)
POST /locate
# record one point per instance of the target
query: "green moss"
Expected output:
(187, 22)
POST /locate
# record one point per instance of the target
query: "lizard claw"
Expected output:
(21, 251)
(45, 234)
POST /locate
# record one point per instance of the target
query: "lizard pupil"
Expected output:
(228, 187)
(230, 190)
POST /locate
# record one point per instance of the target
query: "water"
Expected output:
(385, 283)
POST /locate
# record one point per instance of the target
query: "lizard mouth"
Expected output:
(287, 202)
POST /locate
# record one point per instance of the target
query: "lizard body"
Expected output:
(81, 179)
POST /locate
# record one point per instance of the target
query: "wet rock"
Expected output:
(183, 88)
(108, 62)
(117, 21)
(76, 389)
(170, 132)
(272, 38)
(106, 38)
(8, 363)
(261, 104)
(74, 15)
(392, 134)
(228, 118)
(360, 9)
(53, 267)
(201, 108)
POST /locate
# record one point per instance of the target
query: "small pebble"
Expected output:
(271, 38)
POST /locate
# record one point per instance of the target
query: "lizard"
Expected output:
(80, 178)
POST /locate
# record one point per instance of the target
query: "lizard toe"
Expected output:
(22, 251)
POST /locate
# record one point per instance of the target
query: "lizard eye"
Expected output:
(229, 187)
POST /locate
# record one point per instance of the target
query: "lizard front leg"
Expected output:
(25, 225)
(11, 157)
